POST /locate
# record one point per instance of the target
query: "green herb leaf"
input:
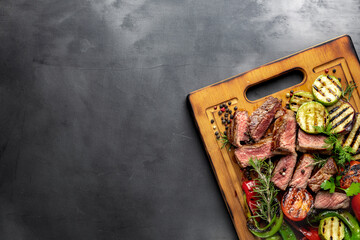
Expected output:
(328, 185)
(349, 90)
(267, 203)
(353, 190)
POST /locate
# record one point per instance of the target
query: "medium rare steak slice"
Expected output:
(303, 171)
(336, 200)
(261, 118)
(259, 150)
(283, 171)
(311, 143)
(325, 173)
(239, 128)
(284, 134)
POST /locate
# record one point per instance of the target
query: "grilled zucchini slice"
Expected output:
(341, 116)
(327, 89)
(352, 138)
(331, 228)
(299, 98)
(311, 114)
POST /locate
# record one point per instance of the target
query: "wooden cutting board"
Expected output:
(338, 54)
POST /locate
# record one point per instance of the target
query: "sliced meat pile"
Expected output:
(303, 171)
(325, 173)
(239, 128)
(284, 134)
(259, 150)
(262, 117)
(284, 170)
(336, 200)
(311, 143)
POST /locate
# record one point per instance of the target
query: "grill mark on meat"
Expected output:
(339, 114)
(262, 117)
(324, 173)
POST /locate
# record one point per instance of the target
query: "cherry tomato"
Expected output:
(355, 204)
(296, 203)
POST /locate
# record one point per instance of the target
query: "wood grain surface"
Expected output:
(338, 53)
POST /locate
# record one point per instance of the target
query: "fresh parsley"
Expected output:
(333, 184)
(341, 154)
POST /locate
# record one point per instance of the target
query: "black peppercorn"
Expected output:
(334, 70)
(216, 133)
(212, 121)
(302, 171)
(229, 103)
(235, 108)
(231, 116)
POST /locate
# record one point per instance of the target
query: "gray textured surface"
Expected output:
(96, 141)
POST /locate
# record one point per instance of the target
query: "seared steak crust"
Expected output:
(261, 118)
(259, 150)
(303, 171)
(284, 134)
(284, 170)
(325, 173)
(239, 128)
(311, 143)
(336, 200)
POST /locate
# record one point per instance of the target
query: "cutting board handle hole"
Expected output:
(276, 84)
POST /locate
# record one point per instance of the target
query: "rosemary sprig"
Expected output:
(225, 141)
(267, 203)
(341, 154)
(349, 90)
(318, 161)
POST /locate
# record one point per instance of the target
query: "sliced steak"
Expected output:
(261, 118)
(280, 112)
(239, 128)
(303, 171)
(259, 150)
(283, 171)
(336, 200)
(325, 173)
(284, 134)
(311, 143)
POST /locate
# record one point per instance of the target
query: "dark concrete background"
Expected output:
(96, 141)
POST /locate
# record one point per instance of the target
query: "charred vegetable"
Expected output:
(352, 175)
(300, 98)
(341, 116)
(352, 139)
(331, 228)
(348, 219)
(327, 89)
(311, 115)
(296, 204)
